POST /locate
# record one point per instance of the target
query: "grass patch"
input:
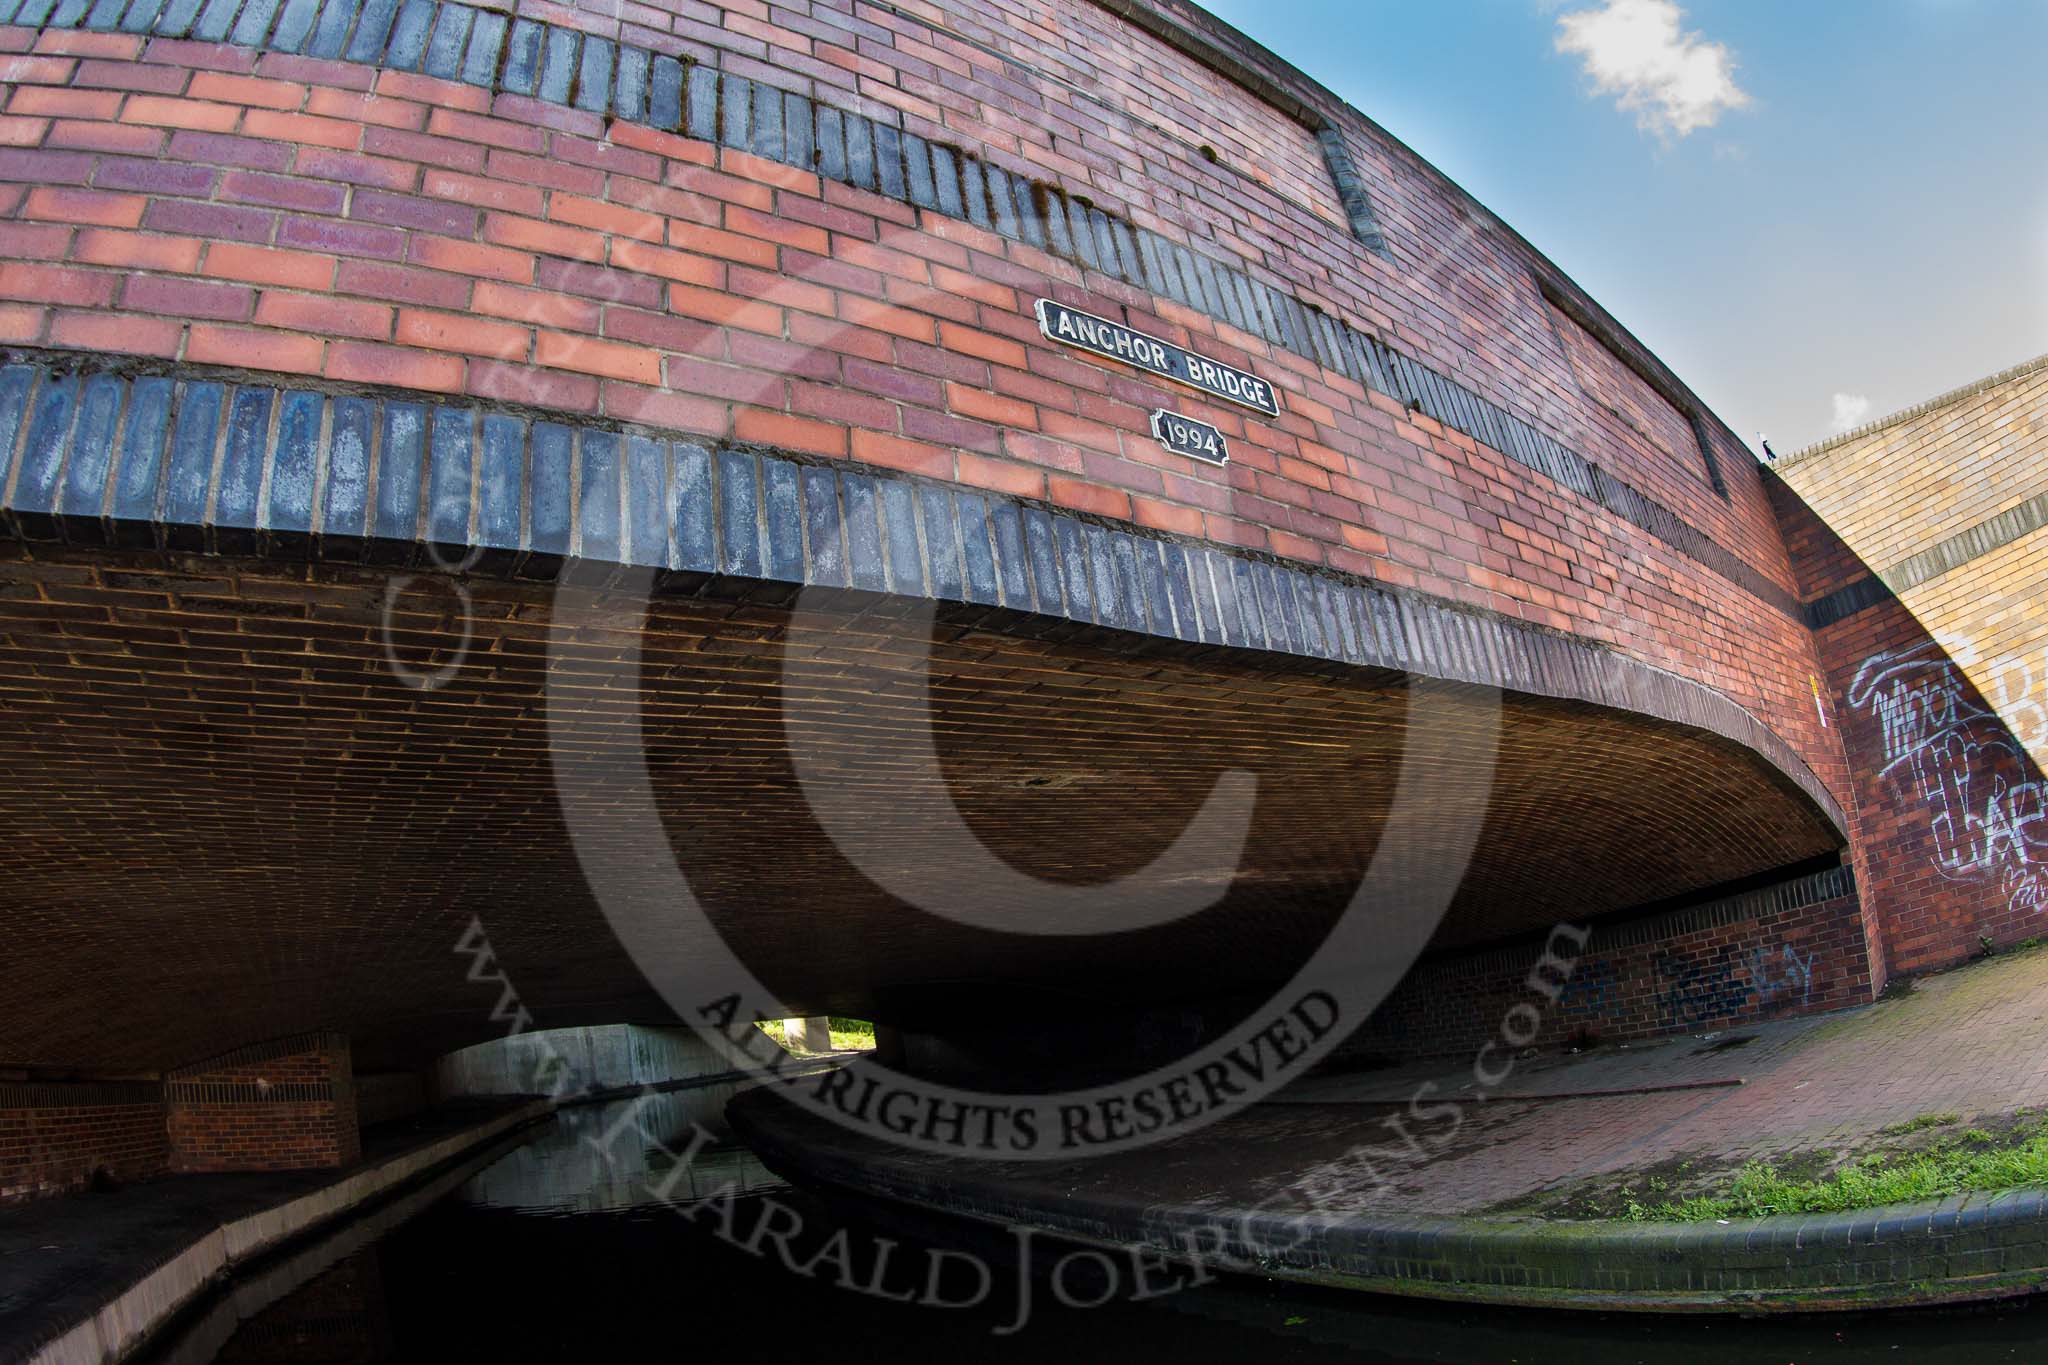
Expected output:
(1918, 1122)
(1926, 1157)
(1970, 1161)
(848, 1035)
(852, 1035)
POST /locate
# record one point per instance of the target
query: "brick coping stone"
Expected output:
(141, 1266)
(1959, 1249)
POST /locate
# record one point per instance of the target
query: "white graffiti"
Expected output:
(1943, 744)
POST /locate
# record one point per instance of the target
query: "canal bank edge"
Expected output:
(123, 1324)
(1959, 1249)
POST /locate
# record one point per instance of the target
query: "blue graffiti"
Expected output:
(1592, 991)
(1694, 992)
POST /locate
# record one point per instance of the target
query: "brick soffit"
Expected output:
(188, 459)
(563, 66)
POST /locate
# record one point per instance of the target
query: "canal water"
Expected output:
(626, 1232)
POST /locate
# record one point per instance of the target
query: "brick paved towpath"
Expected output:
(1968, 1041)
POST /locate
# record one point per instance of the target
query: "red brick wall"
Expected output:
(215, 204)
(278, 1106)
(275, 1107)
(1628, 398)
(1062, 91)
(1824, 565)
(58, 1137)
(1756, 956)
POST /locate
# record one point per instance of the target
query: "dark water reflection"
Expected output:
(552, 1252)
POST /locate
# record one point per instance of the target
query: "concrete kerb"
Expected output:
(1959, 1249)
(124, 1324)
(198, 1341)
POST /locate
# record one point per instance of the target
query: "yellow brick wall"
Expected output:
(1894, 491)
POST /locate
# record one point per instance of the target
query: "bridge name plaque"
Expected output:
(1072, 327)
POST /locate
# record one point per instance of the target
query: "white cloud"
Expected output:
(1674, 82)
(1850, 411)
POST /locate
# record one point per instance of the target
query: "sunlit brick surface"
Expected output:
(389, 228)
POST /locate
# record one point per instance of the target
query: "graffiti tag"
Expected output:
(1944, 747)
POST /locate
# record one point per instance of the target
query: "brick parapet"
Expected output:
(927, 175)
(798, 253)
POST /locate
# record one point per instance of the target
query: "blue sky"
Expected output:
(1811, 211)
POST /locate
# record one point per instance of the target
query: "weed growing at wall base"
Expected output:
(1968, 1163)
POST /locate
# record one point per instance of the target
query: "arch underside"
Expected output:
(230, 817)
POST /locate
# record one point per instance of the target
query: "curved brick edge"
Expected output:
(185, 459)
(122, 1325)
(526, 59)
(1955, 1250)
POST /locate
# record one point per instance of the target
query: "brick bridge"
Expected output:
(344, 337)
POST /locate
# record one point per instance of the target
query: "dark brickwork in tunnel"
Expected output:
(1794, 948)
(284, 1105)
(55, 1138)
(247, 724)
(279, 1106)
